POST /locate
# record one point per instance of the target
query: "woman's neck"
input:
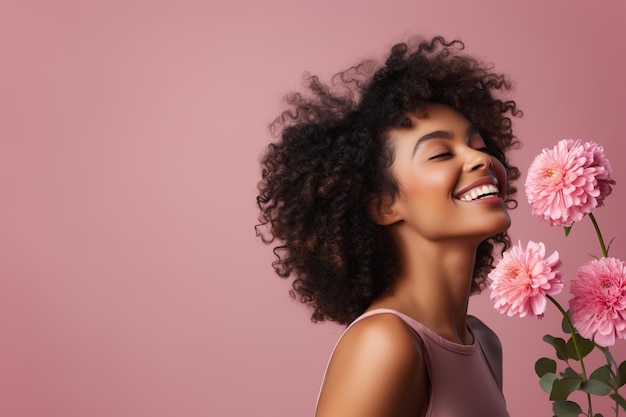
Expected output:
(434, 286)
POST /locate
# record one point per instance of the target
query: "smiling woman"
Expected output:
(449, 186)
(388, 192)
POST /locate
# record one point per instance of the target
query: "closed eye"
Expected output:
(441, 156)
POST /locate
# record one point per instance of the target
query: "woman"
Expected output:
(388, 192)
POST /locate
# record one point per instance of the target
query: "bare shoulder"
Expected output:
(377, 369)
(383, 333)
(490, 343)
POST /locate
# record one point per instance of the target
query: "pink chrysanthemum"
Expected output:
(568, 181)
(598, 308)
(604, 171)
(523, 278)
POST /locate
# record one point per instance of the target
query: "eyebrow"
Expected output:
(442, 134)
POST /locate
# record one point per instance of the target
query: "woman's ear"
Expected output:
(382, 210)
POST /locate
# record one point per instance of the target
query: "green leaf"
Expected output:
(609, 357)
(564, 325)
(558, 344)
(593, 386)
(621, 371)
(566, 409)
(546, 382)
(567, 230)
(618, 400)
(585, 346)
(545, 365)
(603, 374)
(608, 247)
(612, 366)
(562, 388)
(570, 373)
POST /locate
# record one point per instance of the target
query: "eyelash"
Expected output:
(441, 155)
(484, 149)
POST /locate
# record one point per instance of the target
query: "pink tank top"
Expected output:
(462, 383)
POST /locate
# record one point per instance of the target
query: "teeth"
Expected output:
(479, 191)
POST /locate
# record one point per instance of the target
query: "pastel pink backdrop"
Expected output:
(131, 282)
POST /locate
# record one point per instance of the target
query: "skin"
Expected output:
(378, 366)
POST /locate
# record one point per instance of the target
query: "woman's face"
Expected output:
(449, 187)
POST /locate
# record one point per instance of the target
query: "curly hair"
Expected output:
(332, 155)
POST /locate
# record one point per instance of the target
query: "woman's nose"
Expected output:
(477, 160)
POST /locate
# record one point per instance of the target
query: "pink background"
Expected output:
(131, 280)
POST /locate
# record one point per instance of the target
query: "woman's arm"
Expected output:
(377, 370)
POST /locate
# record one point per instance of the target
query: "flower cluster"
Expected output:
(598, 308)
(568, 181)
(564, 184)
(521, 281)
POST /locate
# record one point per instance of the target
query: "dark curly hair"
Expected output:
(332, 156)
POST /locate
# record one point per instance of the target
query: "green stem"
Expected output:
(605, 252)
(617, 379)
(572, 331)
(611, 364)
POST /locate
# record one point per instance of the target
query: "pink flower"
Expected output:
(598, 308)
(568, 181)
(604, 171)
(523, 278)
